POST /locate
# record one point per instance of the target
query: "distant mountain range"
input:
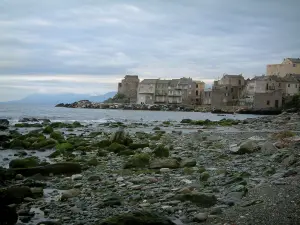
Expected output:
(54, 99)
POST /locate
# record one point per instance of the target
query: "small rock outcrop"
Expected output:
(4, 123)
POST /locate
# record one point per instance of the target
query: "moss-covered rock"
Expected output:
(161, 151)
(57, 136)
(116, 147)
(93, 162)
(138, 161)
(64, 147)
(102, 143)
(138, 218)
(21, 125)
(155, 137)
(121, 137)
(16, 144)
(101, 153)
(44, 144)
(25, 162)
(127, 152)
(156, 128)
(204, 176)
(48, 130)
(164, 163)
(135, 146)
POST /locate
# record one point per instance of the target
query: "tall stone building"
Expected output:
(129, 87)
(288, 66)
(227, 91)
(199, 91)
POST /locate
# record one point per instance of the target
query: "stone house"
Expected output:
(146, 91)
(288, 66)
(206, 99)
(200, 86)
(161, 91)
(227, 91)
(188, 88)
(129, 86)
(174, 92)
(263, 92)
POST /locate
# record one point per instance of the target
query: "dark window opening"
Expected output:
(268, 102)
(231, 90)
(240, 82)
(289, 85)
(197, 92)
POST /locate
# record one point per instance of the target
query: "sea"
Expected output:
(14, 112)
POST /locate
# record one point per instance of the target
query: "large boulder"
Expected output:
(268, 148)
(188, 162)
(8, 215)
(164, 163)
(57, 168)
(138, 218)
(121, 137)
(245, 147)
(4, 123)
(138, 161)
(14, 195)
(4, 139)
(200, 199)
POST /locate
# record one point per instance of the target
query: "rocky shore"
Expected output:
(160, 107)
(169, 172)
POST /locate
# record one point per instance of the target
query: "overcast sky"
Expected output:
(87, 46)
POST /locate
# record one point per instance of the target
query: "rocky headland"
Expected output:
(157, 173)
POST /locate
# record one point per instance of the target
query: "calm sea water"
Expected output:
(14, 112)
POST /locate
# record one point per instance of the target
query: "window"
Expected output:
(231, 90)
(190, 92)
(226, 88)
(289, 85)
(196, 85)
(296, 85)
(240, 82)
(226, 94)
(268, 102)
(197, 93)
(190, 86)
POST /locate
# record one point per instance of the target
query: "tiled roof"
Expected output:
(149, 81)
(294, 60)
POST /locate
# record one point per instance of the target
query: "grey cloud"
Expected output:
(155, 38)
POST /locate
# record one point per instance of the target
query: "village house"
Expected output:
(263, 92)
(146, 91)
(200, 86)
(129, 86)
(161, 91)
(206, 97)
(227, 91)
(174, 92)
(288, 66)
(188, 87)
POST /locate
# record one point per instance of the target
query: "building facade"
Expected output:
(227, 91)
(288, 66)
(146, 91)
(199, 90)
(129, 87)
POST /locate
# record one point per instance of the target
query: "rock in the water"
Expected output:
(245, 147)
(138, 218)
(8, 215)
(14, 195)
(56, 168)
(4, 123)
(201, 199)
(164, 163)
(49, 223)
(188, 163)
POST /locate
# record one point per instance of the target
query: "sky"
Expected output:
(87, 46)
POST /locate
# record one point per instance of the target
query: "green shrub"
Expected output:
(284, 134)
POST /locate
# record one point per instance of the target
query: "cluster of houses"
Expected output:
(261, 92)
